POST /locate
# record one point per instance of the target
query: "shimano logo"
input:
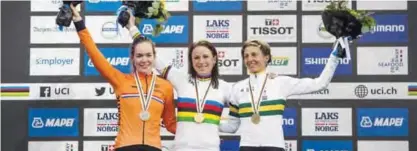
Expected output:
(324, 61)
(52, 122)
(388, 28)
(367, 122)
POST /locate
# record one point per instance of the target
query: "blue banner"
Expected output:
(53, 122)
(117, 57)
(217, 6)
(290, 122)
(229, 145)
(389, 28)
(175, 30)
(313, 61)
(102, 6)
(382, 121)
(327, 145)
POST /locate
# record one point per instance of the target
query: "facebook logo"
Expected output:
(45, 92)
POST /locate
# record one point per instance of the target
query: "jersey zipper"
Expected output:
(143, 130)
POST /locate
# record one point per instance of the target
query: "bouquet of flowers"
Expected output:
(340, 21)
(153, 9)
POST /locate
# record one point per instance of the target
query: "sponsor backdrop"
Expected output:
(53, 98)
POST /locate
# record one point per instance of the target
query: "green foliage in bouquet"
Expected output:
(156, 11)
(362, 16)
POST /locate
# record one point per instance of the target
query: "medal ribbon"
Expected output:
(258, 104)
(200, 103)
(145, 103)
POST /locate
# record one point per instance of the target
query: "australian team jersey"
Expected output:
(132, 130)
(269, 132)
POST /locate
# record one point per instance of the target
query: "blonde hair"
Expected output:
(263, 46)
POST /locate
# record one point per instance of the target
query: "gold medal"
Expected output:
(199, 117)
(256, 118)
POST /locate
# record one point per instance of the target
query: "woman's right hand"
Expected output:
(75, 14)
(131, 22)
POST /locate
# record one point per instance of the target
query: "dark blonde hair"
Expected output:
(214, 71)
(138, 40)
(263, 46)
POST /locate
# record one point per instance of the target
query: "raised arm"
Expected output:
(231, 125)
(168, 115)
(111, 74)
(167, 71)
(297, 86)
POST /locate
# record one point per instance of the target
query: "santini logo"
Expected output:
(52, 122)
(367, 122)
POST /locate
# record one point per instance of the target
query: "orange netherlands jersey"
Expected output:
(132, 130)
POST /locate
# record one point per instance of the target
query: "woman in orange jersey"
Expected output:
(143, 98)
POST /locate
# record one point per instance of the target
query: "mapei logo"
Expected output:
(117, 57)
(367, 122)
(52, 122)
(382, 121)
(174, 31)
(47, 122)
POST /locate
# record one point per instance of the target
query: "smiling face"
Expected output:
(143, 57)
(255, 60)
(256, 55)
(203, 60)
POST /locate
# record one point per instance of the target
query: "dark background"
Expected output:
(15, 22)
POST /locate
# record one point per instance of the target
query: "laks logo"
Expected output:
(361, 91)
(107, 122)
(109, 30)
(44, 122)
(314, 60)
(117, 57)
(101, 121)
(272, 28)
(389, 28)
(217, 29)
(382, 121)
(174, 31)
(327, 121)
